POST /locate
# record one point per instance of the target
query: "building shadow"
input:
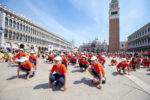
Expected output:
(85, 81)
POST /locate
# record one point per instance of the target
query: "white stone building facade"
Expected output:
(140, 40)
(16, 32)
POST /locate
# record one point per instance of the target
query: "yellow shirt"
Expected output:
(1, 55)
(8, 55)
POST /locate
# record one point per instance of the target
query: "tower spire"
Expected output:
(113, 1)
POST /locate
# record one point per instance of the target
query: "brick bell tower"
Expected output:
(114, 27)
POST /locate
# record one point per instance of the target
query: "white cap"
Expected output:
(83, 56)
(23, 59)
(54, 53)
(94, 58)
(61, 54)
(21, 50)
(82, 53)
(58, 58)
(32, 51)
(73, 55)
(123, 59)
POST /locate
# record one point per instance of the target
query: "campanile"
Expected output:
(114, 27)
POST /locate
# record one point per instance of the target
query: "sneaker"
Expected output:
(57, 83)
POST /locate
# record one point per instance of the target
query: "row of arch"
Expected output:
(23, 37)
(24, 46)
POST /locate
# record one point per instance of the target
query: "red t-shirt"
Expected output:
(65, 60)
(121, 64)
(98, 67)
(33, 58)
(51, 57)
(84, 62)
(73, 59)
(28, 65)
(61, 70)
(20, 55)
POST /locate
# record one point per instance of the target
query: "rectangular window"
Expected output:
(114, 13)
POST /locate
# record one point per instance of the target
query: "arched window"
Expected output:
(14, 35)
(10, 23)
(26, 38)
(6, 21)
(31, 30)
(10, 34)
(20, 36)
(6, 34)
(29, 39)
(23, 27)
(26, 29)
(17, 36)
(18, 26)
(14, 24)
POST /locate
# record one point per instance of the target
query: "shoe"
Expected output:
(25, 76)
(57, 83)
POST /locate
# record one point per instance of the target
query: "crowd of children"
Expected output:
(93, 62)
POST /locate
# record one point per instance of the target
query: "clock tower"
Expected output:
(114, 27)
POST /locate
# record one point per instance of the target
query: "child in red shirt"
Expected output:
(83, 63)
(60, 75)
(123, 65)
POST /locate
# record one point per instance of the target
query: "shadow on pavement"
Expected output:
(45, 86)
(42, 86)
(148, 73)
(76, 67)
(86, 81)
(13, 66)
(115, 73)
(14, 77)
(75, 71)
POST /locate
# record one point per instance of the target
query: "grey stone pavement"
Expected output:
(118, 87)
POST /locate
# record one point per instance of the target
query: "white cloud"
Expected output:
(96, 9)
(50, 22)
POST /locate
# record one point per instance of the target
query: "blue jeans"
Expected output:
(73, 62)
(96, 76)
(24, 69)
(83, 66)
(59, 78)
(64, 64)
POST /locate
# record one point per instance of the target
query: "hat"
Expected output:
(23, 59)
(58, 58)
(123, 59)
(83, 56)
(61, 54)
(94, 58)
(32, 52)
(21, 50)
(82, 53)
(73, 55)
(54, 53)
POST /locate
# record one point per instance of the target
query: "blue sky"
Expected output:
(82, 20)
